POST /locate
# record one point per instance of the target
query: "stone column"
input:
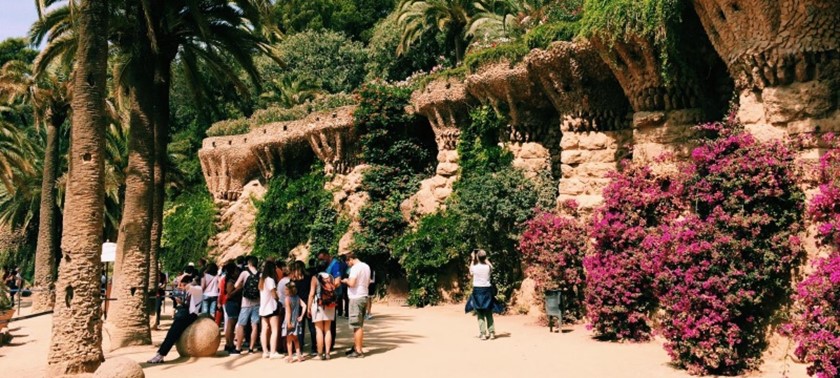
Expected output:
(445, 103)
(595, 123)
(785, 58)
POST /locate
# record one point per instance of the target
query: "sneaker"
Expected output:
(275, 356)
(265, 354)
(157, 359)
(313, 354)
(349, 351)
(492, 336)
(235, 351)
(482, 337)
(368, 317)
(356, 355)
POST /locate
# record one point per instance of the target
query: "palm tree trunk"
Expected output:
(47, 246)
(76, 345)
(129, 321)
(161, 128)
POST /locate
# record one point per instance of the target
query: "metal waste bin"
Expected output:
(554, 308)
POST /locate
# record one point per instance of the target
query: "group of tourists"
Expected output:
(13, 281)
(268, 307)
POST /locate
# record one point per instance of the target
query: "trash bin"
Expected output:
(554, 308)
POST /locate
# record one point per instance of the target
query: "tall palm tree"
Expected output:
(415, 17)
(288, 91)
(49, 98)
(76, 345)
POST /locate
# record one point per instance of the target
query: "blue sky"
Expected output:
(16, 16)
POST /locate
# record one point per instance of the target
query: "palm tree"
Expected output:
(415, 17)
(183, 31)
(76, 345)
(289, 91)
(506, 18)
(49, 98)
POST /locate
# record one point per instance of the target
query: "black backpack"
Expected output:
(252, 286)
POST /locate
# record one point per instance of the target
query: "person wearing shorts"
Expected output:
(249, 312)
(357, 285)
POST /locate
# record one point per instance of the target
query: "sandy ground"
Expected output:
(406, 342)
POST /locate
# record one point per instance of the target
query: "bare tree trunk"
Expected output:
(47, 246)
(76, 345)
(129, 321)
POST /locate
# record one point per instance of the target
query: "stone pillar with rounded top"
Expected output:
(785, 59)
(595, 117)
(445, 103)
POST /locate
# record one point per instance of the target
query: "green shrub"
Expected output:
(287, 212)
(229, 127)
(511, 52)
(479, 148)
(542, 36)
(492, 207)
(276, 114)
(423, 252)
(188, 224)
(326, 231)
(381, 222)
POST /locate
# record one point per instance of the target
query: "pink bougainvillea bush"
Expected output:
(723, 270)
(619, 291)
(552, 248)
(815, 324)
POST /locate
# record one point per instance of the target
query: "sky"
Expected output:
(16, 16)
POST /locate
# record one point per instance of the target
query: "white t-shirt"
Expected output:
(240, 284)
(268, 305)
(361, 272)
(481, 275)
(212, 285)
(194, 292)
(281, 290)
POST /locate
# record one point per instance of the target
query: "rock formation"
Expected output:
(229, 162)
(235, 224)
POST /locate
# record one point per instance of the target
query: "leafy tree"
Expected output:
(325, 59)
(355, 18)
(384, 62)
(451, 17)
(16, 49)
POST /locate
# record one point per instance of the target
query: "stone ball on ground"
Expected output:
(200, 339)
(119, 367)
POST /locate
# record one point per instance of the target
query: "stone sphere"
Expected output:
(119, 367)
(200, 339)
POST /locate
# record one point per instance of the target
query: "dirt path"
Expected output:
(404, 342)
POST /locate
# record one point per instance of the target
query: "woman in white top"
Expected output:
(482, 299)
(268, 311)
(210, 288)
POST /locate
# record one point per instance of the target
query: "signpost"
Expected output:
(109, 255)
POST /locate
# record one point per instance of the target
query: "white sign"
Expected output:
(109, 252)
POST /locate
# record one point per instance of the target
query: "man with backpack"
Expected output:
(249, 283)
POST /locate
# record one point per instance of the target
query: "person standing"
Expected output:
(232, 305)
(282, 281)
(210, 285)
(188, 303)
(357, 284)
(249, 313)
(160, 296)
(483, 299)
(295, 309)
(269, 311)
(333, 268)
(322, 301)
(301, 278)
